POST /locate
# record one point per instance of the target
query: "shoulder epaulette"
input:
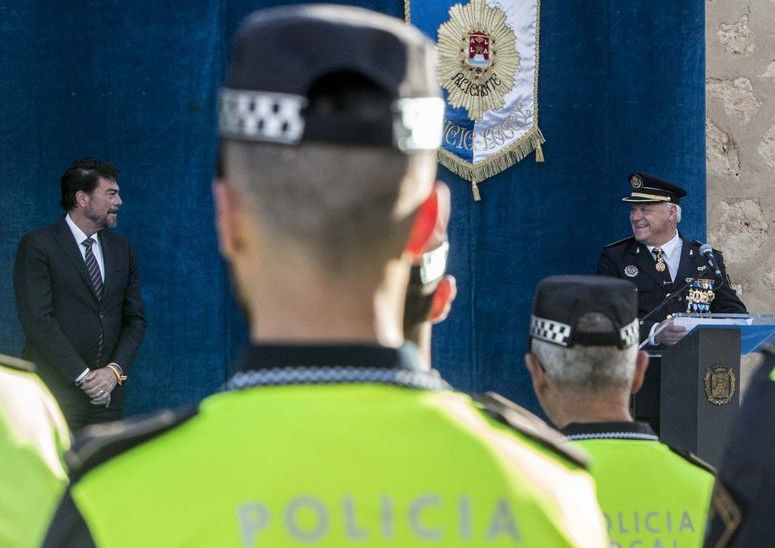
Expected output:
(16, 363)
(99, 443)
(620, 242)
(526, 423)
(694, 459)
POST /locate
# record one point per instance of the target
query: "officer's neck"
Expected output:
(303, 306)
(592, 407)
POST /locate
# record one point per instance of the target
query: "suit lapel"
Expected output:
(109, 258)
(66, 241)
(686, 266)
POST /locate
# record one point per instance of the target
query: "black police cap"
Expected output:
(560, 301)
(280, 55)
(651, 189)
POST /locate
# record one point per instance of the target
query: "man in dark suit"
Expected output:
(78, 298)
(659, 260)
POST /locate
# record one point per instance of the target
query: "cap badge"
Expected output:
(630, 270)
(477, 58)
(636, 182)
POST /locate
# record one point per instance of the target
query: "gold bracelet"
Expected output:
(119, 377)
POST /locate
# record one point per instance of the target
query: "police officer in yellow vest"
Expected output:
(584, 363)
(33, 440)
(331, 432)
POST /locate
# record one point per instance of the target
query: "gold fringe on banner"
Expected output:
(480, 171)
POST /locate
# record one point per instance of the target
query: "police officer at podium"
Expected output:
(331, 432)
(659, 260)
(584, 363)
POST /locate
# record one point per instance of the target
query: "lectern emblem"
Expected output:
(720, 384)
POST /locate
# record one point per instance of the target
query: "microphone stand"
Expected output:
(670, 298)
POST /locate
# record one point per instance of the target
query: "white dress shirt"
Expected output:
(671, 253)
(96, 248)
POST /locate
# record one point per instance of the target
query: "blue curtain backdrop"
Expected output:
(621, 88)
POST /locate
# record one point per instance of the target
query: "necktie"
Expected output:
(96, 282)
(93, 268)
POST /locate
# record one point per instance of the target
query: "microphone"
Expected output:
(707, 252)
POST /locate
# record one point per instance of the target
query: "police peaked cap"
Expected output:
(650, 189)
(280, 54)
(560, 301)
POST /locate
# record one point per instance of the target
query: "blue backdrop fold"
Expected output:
(621, 88)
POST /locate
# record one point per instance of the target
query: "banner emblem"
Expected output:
(479, 49)
(488, 70)
(477, 61)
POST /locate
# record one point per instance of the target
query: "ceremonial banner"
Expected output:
(488, 69)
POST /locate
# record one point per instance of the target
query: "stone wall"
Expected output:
(740, 135)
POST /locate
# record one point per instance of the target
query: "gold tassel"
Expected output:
(489, 168)
(539, 153)
(475, 190)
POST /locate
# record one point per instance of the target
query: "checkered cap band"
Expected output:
(426, 380)
(630, 333)
(560, 333)
(277, 118)
(261, 116)
(550, 331)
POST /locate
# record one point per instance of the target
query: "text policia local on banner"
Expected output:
(486, 138)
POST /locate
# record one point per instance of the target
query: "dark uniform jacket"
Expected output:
(631, 260)
(62, 318)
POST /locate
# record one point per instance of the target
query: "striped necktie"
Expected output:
(93, 268)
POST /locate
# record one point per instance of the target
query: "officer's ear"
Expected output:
(424, 225)
(641, 364)
(537, 373)
(225, 223)
(441, 303)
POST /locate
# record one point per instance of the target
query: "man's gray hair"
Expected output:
(677, 211)
(589, 368)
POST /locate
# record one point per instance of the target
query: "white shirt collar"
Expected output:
(669, 247)
(79, 235)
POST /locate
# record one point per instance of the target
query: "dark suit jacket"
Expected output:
(62, 317)
(631, 260)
